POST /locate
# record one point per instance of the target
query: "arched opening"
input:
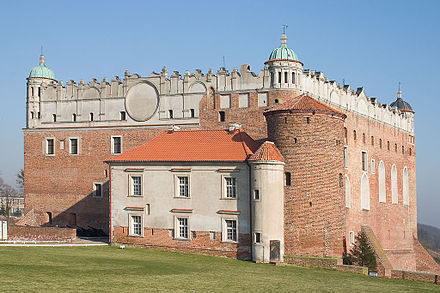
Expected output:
(382, 184)
(394, 193)
(347, 192)
(365, 193)
(405, 183)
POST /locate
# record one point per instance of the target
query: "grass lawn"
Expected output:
(111, 269)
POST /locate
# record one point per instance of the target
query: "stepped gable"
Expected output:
(193, 145)
(304, 103)
(267, 152)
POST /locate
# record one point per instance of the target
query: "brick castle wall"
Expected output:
(28, 233)
(314, 219)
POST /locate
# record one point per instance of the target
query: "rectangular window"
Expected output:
(293, 77)
(256, 194)
(122, 115)
(170, 114)
(364, 161)
(182, 228)
(285, 77)
(346, 157)
(221, 116)
(73, 146)
(373, 166)
(288, 178)
(212, 235)
(231, 230)
(257, 237)
(231, 187)
(192, 112)
(351, 238)
(136, 185)
(97, 187)
(136, 225)
(183, 186)
(91, 116)
(116, 144)
(50, 146)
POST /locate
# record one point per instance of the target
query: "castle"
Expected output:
(344, 162)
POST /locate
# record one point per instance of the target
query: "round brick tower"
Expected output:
(310, 136)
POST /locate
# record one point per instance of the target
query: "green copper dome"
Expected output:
(42, 70)
(283, 52)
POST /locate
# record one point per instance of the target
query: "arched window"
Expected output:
(54, 117)
(354, 134)
(293, 77)
(365, 193)
(73, 117)
(394, 193)
(382, 184)
(380, 142)
(405, 184)
(347, 192)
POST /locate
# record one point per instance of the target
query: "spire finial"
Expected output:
(41, 56)
(399, 92)
(283, 36)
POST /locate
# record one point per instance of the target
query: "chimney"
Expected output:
(233, 126)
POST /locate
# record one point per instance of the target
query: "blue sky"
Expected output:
(374, 44)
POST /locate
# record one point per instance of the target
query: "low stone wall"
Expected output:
(352, 269)
(200, 243)
(311, 261)
(426, 277)
(40, 234)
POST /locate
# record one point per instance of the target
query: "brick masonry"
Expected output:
(28, 233)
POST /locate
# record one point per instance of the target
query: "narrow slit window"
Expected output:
(221, 116)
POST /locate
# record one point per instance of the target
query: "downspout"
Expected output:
(251, 227)
(110, 204)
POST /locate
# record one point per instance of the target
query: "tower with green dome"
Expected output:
(284, 67)
(39, 78)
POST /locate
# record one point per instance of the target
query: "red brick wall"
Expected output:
(27, 233)
(314, 219)
(63, 184)
(201, 244)
(395, 225)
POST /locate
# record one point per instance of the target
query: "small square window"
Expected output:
(97, 189)
(116, 146)
(257, 237)
(50, 146)
(136, 185)
(256, 194)
(136, 225)
(231, 187)
(73, 146)
(212, 235)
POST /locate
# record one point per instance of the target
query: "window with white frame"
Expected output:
(257, 237)
(230, 230)
(97, 189)
(373, 166)
(364, 161)
(182, 186)
(351, 236)
(230, 187)
(116, 142)
(73, 146)
(256, 194)
(136, 225)
(182, 228)
(50, 146)
(136, 185)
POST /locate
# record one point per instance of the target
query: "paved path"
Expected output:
(83, 241)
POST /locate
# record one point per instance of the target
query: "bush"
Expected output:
(362, 254)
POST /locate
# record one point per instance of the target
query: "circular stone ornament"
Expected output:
(142, 101)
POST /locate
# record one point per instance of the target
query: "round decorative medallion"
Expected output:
(142, 101)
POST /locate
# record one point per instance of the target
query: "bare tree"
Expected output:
(7, 193)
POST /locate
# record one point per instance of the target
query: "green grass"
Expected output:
(110, 269)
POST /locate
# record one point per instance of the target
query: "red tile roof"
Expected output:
(304, 103)
(267, 152)
(193, 145)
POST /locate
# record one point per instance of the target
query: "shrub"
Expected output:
(362, 254)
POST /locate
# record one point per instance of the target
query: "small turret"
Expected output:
(400, 104)
(42, 71)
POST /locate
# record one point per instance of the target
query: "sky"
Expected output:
(370, 44)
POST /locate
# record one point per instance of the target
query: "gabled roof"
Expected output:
(304, 103)
(192, 145)
(267, 152)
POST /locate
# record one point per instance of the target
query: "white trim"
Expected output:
(94, 189)
(224, 187)
(177, 227)
(373, 166)
(394, 188)
(225, 230)
(131, 186)
(46, 148)
(382, 182)
(130, 224)
(366, 161)
(351, 238)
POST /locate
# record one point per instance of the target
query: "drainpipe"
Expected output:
(251, 227)
(110, 204)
